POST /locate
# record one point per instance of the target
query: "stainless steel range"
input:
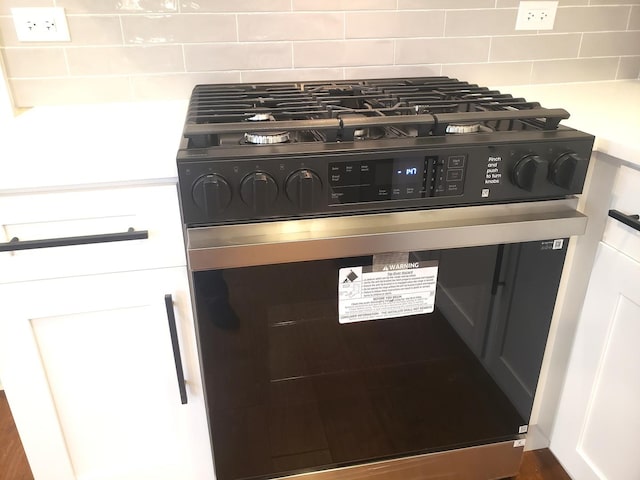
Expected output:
(375, 265)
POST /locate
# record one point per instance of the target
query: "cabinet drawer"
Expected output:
(100, 213)
(626, 199)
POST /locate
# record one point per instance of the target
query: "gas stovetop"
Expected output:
(282, 150)
(279, 113)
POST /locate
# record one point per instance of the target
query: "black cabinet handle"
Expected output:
(168, 302)
(630, 220)
(17, 244)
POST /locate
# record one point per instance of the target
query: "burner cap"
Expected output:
(463, 128)
(266, 138)
(261, 117)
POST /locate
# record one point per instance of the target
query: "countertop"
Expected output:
(608, 110)
(59, 147)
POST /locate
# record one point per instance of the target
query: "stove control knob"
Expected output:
(304, 189)
(212, 194)
(563, 169)
(259, 190)
(530, 172)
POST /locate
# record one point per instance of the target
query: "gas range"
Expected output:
(256, 152)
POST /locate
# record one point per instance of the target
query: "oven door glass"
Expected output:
(292, 389)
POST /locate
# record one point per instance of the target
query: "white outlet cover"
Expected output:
(536, 15)
(40, 17)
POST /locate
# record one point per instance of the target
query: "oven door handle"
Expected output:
(16, 244)
(173, 332)
(266, 243)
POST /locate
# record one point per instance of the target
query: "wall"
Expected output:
(150, 49)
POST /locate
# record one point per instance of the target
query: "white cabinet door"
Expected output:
(89, 372)
(596, 431)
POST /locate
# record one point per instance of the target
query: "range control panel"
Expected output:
(396, 179)
(287, 186)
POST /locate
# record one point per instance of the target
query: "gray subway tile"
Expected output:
(591, 19)
(534, 47)
(35, 62)
(394, 24)
(292, 75)
(613, 2)
(610, 44)
(491, 74)
(95, 29)
(561, 3)
(442, 50)
(313, 5)
(235, 5)
(7, 5)
(125, 60)
(237, 56)
(180, 28)
(444, 4)
(393, 71)
(634, 21)
(118, 6)
(290, 26)
(60, 91)
(177, 86)
(629, 68)
(469, 23)
(574, 70)
(343, 53)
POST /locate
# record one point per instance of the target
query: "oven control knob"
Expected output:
(304, 189)
(259, 190)
(212, 194)
(530, 172)
(563, 169)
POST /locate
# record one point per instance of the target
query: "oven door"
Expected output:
(377, 345)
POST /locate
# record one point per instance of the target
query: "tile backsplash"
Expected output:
(158, 49)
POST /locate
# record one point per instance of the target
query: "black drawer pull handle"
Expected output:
(173, 332)
(630, 220)
(17, 244)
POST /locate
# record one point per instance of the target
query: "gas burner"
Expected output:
(463, 128)
(267, 138)
(371, 133)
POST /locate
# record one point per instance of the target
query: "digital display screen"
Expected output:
(375, 180)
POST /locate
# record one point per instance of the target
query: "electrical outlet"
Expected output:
(41, 24)
(536, 15)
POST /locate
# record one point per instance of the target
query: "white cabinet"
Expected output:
(595, 434)
(86, 357)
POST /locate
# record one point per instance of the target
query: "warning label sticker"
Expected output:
(395, 290)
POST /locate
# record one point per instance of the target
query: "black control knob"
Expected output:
(304, 189)
(530, 172)
(259, 190)
(563, 170)
(212, 194)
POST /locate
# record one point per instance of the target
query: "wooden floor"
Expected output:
(541, 465)
(13, 462)
(537, 464)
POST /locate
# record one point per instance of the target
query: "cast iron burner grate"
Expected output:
(357, 110)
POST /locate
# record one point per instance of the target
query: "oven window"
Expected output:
(289, 388)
